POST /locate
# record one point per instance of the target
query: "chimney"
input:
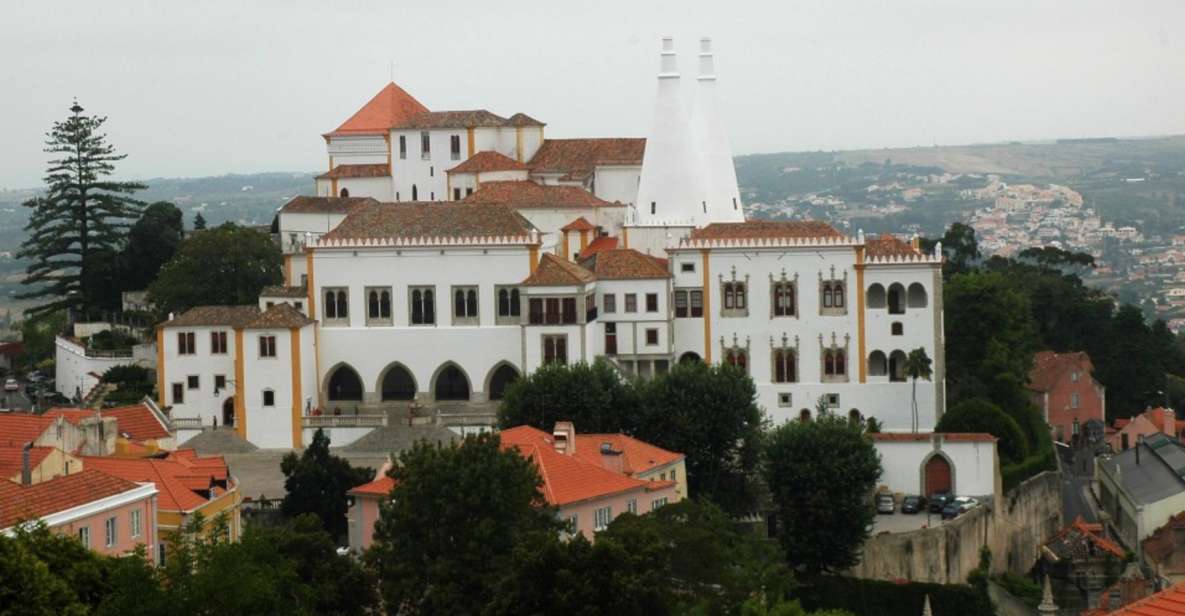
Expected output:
(723, 203)
(1139, 441)
(564, 435)
(26, 469)
(611, 459)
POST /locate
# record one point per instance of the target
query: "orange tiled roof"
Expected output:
(380, 487)
(19, 502)
(888, 245)
(522, 119)
(638, 456)
(555, 271)
(603, 242)
(624, 264)
(766, 229)
(468, 118)
(488, 160)
(566, 479)
(11, 458)
(430, 220)
(137, 421)
(1168, 602)
(279, 316)
(21, 428)
(1048, 367)
(179, 476)
(205, 316)
(369, 170)
(580, 224)
(528, 194)
(324, 205)
(576, 158)
(391, 106)
(953, 437)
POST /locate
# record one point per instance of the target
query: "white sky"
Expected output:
(205, 88)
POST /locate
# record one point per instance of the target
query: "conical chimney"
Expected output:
(671, 190)
(720, 177)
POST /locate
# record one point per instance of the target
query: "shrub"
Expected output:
(979, 415)
(877, 598)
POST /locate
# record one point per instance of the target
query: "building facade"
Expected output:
(1064, 388)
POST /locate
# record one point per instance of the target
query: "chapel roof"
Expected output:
(576, 158)
(368, 170)
(528, 194)
(486, 161)
(324, 205)
(624, 264)
(391, 106)
(767, 229)
(452, 219)
(467, 118)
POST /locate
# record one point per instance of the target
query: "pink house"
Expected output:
(107, 514)
(1062, 385)
(1125, 433)
(364, 511)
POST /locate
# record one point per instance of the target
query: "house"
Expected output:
(140, 429)
(1127, 431)
(41, 463)
(1164, 549)
(92, 435)
(1141, 488)
(364, 508)
(1063, 386)
(10, 352)
(107, 514)
(1133, 595)
(1082, 563)
(927, 463)
(188, 484)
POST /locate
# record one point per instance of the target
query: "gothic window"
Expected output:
(896, 298)
(833, 294)
(509, 305)
(735, 354)
(378, 306)
(834, 359)
(783, 300)
(465, 306)
(337, 306)
(555, 349)
(784, 366)
(423, 306)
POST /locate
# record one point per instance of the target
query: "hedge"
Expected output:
(877, 598)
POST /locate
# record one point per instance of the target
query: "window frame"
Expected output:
(734, 298)
(651, 303)
(111, 531)
(84, 536)
(651, 334)
(332, 313)
(602, 517)
(558, 352)
(631, 303)
(135, 524)
(778, 289)
(785, 359)
(267, 346)
(455, 147)
(471, 301)
(609, 303)
(427, 305)
(513, 305)
(186, 343)
(177, 388)
(218, 344)
(425, 145)
(264, 398)
(833, 297)
(402, 147)
(193, 381)
(380, 318)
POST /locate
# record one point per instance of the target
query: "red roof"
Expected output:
(380, 487)
(11, 348)
(554, 271)
(576, 158)
(1049, 367)
(953, 437)
(487, 160)
(137, 421)
(888, 245)
(179, 476)
(568, 479)
(1168, 602)
(21, 428)
(525, 193)
(580, 224)
(767, 229)
(368, 170)
(603, 242)
(637, 456)
(624, 264)
(391, 106)
(11, 458)
(18, 502)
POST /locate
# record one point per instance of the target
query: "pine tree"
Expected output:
(199, 222)
(79, 222)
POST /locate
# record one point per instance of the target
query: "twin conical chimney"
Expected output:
(720, 177)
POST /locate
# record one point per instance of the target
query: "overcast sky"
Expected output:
(205, 88)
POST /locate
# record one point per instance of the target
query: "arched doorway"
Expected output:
(451, 384)
(398, 384)
(938, 476)
(345, 192)
(228, 412)
(501, 378)
(344, 384)
(689, 357)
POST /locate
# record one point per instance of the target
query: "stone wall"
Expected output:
(1014, 527)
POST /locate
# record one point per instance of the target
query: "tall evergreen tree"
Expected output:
(199, 222)
(79, 221)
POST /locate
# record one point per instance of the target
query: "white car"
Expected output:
(12, 385)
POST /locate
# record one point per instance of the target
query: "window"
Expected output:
(632, 506)
(178, 393)
(218, 343)
(456, 194)
(688, 267)
(551, 310)
(785, 399)
(402, 147)
(298, 306)
(267, 346)
(337, 305)
(735, 303)
(465, 306)
(631, 302)
(378, 306)
(896, 328)
(415, 193)
(134, 523)
(555, 349)
(112, 534)
(425, 146)
(785, 366)
(273, 304)
(574, 522)
(651, 337)
(455, 147)
(84, 536)
(219, 382)
(835, 365)
(423, 306)
(609, 303)
(738, 358)
(191, 381)
(832, 300)
(1074, 376)
(590, 308)
(658, 503)
(269, 397)
(610, 339)
(783, 299)
(602, 516)
(652, 302)
(1074, 400)
(186, 344)
(509, 305)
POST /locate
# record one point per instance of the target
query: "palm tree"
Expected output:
(917, 366)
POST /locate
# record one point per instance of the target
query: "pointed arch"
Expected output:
(500, 377)
(450, 383)
(343, 383)
(689, 357)
(937, 474)
(896, 298)
(396, 382)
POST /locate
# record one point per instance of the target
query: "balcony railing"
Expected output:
(345, 421)
(186, 423)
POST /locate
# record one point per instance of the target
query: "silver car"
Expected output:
(885, 503)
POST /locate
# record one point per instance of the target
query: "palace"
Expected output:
(447, 253)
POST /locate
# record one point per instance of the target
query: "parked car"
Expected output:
(913, 504)
(958, 506)
(938, 500)
(35, 376)
(885, 503)
(12, 385)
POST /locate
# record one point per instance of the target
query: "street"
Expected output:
(17, 400)
(1078, 471)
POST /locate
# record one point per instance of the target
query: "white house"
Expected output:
(926, 463)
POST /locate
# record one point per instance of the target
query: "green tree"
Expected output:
(152, 242)
(224, 265)
(452, 523)
(199, 222)
(317, 483)
(917, 366)
(960, 248)
(820, 476)
(989, 331)
(46, 573)
(593, 396)
(710, 414)
(38, 333)
(979, 415)
(77, 225)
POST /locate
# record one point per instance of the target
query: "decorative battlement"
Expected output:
(530, 239)
(765, 242)
(903, 259)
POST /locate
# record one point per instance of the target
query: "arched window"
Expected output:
(838, 291)
(804, 415)
(417, 306)
(330, 305)
(372, 304)
(345, 192)
(784, 305)
(500, 380)
(689, 357)
(785, 368)
(398, 384)
(514, 302)
(429, 306)
(841, 363)
(878, 364)
(344, 384)
(503, 302)
(834, 364)
(896, 298)
(897, 366)
(827, 301)
(738, 358)
(917, 296)
(385, 305)
(343, 308)
(734, 296)
(471, 302)
(876, 296)
(854, 417)
(459, 303)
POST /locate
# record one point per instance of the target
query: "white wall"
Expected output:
(617, 183)
(632, 326)
(973, 464)
(357, 149)
(295, 226)
(202, 402)
(270, 426)
(73, 370)
(379, 188)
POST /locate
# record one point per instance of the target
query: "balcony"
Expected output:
(344, 421)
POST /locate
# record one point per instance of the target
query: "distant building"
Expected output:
(1164, 550)
(1063, 386)
(924, 464)
(1125, 432)
(1141, 488)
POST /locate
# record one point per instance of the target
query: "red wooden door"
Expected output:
(937, 475)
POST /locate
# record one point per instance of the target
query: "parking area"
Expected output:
(903, 522)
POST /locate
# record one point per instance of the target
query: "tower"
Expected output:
(720, 177)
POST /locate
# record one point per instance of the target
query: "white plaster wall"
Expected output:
(577, 343)
(73, 369)
(508, 175)
(338, 437)
(201, 403)
(268, 426)
(264, 300)
(377, 188)
(428, 176)
(632, 326)
(532, 141)
(294, 227)
(357, 149)
(463, 181)
(654, 240)
(974, 465)
(617, 183)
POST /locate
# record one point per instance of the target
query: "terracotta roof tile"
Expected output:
(580, 224)
(12, 459)
(486, 161)
(324, 205)
(391, 106)
(528, 194)
(200, 316)
(469, 118)
(280, 291)
(639, 456)
(429, 220)
(954, 437)
(566, 479)
(1161, 544)
(21, 428)
(1049, 367)
(522, 119)
(1168, 602)
(554, 271)
(602, 243)
(175, 476)
(1075, 541)
(767, 229)
(578, 157)
(624, 264)
(370, 170)
(19, 502)
(888, 245)
(137, 421)
(379, 487)
(279, 316)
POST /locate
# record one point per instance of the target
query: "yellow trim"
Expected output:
(288, 270)
(309, 288)
(331, 163)
(240, 387)
(387, 138)
(297, 435)
(534, 256)
(625, 237)
(518, 143)
(160, 367)
(448, 187)
(333, 189)
(707, 310)
(565, 242)
(860, 313)
(469, 131)
(583, 239)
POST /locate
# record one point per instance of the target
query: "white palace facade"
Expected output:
(447, 253)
